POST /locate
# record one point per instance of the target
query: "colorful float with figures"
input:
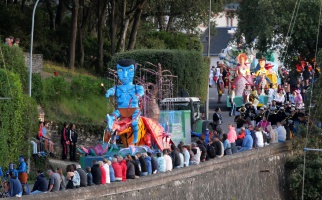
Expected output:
(251, 73)
(127, 131)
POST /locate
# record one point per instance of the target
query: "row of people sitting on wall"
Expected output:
(15, 180)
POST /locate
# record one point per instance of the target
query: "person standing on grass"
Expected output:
(64, 140)
(72, 137)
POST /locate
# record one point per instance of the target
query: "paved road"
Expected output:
(213, 97)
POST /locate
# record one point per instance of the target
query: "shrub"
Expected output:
(190, 67)
(169, 40)
(55, 88)
(37, 90)
(84, 86)
(14, 61)
(17, 118)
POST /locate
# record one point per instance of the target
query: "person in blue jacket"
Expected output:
(148, 163)
(247, 142)
(15, 185)
(22, 175)
(11, 169)
(22, 166)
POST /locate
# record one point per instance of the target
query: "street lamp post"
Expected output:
(209, 27)
(31, 45)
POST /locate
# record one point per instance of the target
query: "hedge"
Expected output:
(191, 67)
(169, 40)
(18, 118)
(13, 60)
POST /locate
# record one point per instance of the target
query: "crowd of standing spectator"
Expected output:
(11, 41)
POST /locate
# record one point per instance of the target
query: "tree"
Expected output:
(85, 11)
(51, 14)
(101, 16)
(180, 15)
(136, 22)
(73, 35)
(60, 12)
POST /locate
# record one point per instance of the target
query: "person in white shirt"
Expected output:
(196, 158)
(186, 156)
(279, 97)
(281, 132)
(271, 94)
(107, 169)
(259, 136)
(232, 95)
(211, 76)
(168, 160)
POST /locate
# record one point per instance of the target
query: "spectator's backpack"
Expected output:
(211, 151)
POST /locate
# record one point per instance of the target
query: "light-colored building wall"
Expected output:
(223, 21)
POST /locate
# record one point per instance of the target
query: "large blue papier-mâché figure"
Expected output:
(127, 95)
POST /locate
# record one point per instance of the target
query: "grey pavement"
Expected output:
(213, 97)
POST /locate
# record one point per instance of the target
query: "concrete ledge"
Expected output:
(267, 160)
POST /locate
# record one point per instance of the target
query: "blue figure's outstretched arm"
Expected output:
(110, 92)
(110, 119)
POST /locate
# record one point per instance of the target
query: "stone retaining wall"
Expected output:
(85, 138)
(251, 175)
(37, 62)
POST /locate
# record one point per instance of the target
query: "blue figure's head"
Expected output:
(126, 71)
(21, 158)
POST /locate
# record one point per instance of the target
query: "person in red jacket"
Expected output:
(123, 166)
(103, 172)
(240, 137)
(117, 170)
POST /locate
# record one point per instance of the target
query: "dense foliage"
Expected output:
(80, 100)
(309, 136)
(189, 66)
(313, 168)
(18, 118)
(12, 59)
(169, 40)
(271, 24)
(86, 33)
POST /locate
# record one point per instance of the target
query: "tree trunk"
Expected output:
(112, 24)
(60, 13)
(170, 22)
(81, 54)
(136, 23)
(160, 22)
(101, 14)
(84, 13)
(22, 6)
(124, 25)
(121, 43)
(73, 34)
(51, 14)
